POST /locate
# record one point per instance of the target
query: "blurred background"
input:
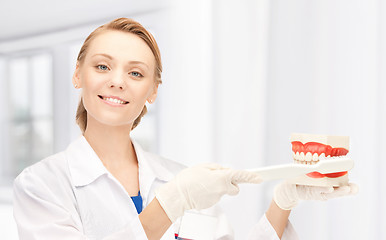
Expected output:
(239, 77)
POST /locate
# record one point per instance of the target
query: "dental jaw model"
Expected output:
(309, 149)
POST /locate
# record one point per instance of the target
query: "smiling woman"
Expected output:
(104, 62)
(123, 79)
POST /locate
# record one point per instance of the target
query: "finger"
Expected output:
(343, 190)
(242, 176)
(316, 189)
(325, 190)
(313, 192)
(353, 188)
(233, 189)
(338, 192)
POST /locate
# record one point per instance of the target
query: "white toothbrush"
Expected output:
(288, 171)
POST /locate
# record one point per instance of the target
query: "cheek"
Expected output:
(91, 79)
(91, 83)
(141, 91)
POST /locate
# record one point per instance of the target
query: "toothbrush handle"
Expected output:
(287, 171)
(280, 171)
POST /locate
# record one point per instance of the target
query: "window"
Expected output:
(30, 108)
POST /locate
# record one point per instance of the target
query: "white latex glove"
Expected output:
(200, 187)
(287, 195)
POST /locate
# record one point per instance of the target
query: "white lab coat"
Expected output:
(71, 195)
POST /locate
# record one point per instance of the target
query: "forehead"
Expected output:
(121, 46)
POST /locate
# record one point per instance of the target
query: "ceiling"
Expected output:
(25, 18)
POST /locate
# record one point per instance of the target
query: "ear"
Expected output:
(153, 95)
(75, 78)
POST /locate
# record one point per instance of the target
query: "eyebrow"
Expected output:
(104, 55)
(111, 58)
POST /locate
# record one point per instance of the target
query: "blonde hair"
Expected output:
(123, 25)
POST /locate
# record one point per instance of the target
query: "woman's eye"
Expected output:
(136, 74)
(102, 67)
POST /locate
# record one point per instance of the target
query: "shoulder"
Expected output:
(47, 175)
(48, 166)
(45, 189)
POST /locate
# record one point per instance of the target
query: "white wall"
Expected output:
(213, 93)
(381, 108)
(317, 69)
(186, 96)
(324, 78)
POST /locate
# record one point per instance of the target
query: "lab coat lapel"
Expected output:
(151, 171)
(152, 174)
(84, 165)
(104, 206)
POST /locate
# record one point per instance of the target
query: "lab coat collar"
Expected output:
(151, 164)
(85, 166)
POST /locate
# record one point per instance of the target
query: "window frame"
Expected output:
(8, 119)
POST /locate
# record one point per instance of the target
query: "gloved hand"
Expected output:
(287, 195)
(200, 187)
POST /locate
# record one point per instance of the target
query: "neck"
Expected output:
(112, 144)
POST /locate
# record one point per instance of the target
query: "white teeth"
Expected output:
(114, 100)
(302, 156)
(308, 157)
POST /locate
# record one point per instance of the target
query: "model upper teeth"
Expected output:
(311, 148)
(308, 158)
(113, 100)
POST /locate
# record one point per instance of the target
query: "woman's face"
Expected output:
(116, 77)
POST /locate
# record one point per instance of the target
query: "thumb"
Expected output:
(243, 176)
(353, 188)
(233, 189)
(342, 191)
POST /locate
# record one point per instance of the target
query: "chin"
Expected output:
(111, 121)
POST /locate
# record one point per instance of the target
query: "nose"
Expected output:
(117, 81)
